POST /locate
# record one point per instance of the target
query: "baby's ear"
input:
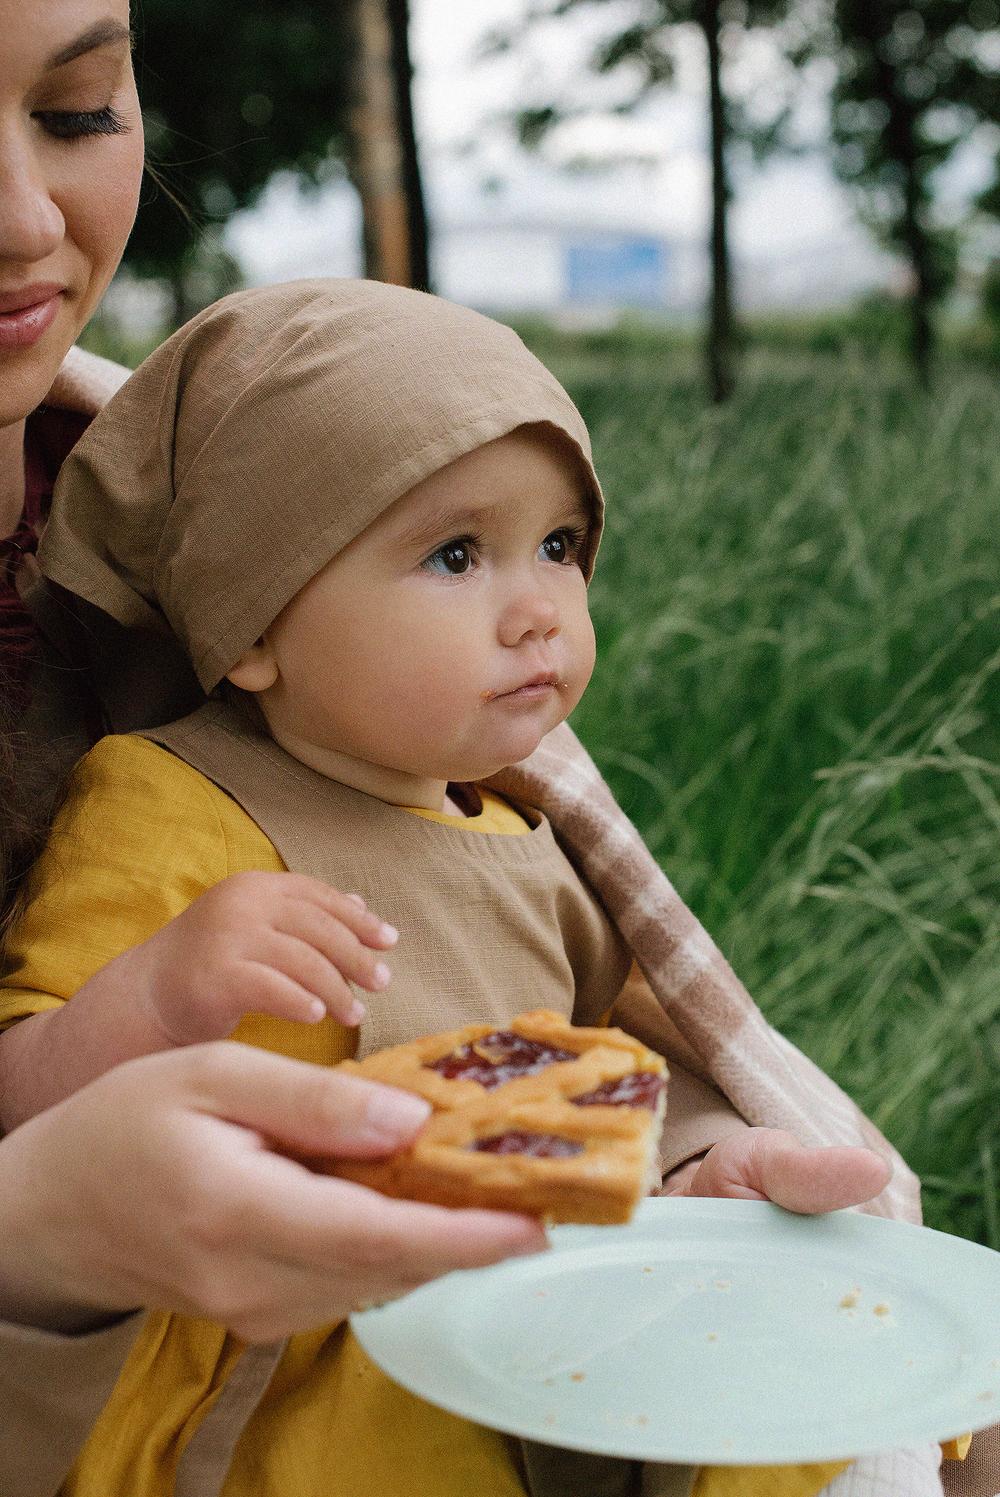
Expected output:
(256, 668)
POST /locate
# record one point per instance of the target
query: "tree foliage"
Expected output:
(231, 94)
(912, 84)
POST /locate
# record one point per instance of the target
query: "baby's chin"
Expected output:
(483, 766)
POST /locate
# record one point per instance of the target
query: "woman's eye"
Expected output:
(71, 124)
(561, 546)
(455, 557)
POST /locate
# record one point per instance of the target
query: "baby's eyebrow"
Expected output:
(443, 521)
(446, 520)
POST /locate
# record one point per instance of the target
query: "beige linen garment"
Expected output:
(255, 444)
(493, 925)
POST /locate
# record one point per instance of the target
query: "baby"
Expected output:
(366, 519)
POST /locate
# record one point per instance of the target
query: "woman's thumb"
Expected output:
(307, 1108)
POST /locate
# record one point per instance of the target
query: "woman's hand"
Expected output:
(768, 1164)
(273, 943)
(167, 1184)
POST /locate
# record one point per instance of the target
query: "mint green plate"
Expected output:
(712, 1332)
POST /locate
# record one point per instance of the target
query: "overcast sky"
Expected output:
(473, 170)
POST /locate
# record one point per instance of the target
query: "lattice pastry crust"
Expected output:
(528, 1135)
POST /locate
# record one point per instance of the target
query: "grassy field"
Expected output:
(797, 700)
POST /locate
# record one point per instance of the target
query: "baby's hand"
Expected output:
(274, 943)
(768, 1164)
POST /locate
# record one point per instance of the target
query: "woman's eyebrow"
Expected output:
(101, 34)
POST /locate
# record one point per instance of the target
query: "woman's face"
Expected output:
(70, 165)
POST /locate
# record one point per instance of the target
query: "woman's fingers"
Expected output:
(230, 1227)
(769, 1164)
(280, 1248)
(304, 1108)
(324, 1222)
(338, 1247)
(828, 1179)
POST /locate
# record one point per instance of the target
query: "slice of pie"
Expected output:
(541, 1117)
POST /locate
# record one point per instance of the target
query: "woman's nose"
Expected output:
(31, 223)
(530, 612)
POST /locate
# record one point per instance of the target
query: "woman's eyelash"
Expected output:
(71, 124)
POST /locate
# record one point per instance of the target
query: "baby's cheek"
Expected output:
(585, 654)
(425, 707)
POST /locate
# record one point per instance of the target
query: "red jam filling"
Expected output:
(498, 1057)
(641, 1089)
(538, 1145)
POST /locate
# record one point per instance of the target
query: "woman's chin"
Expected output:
(27, 376)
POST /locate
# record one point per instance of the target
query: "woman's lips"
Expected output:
(26, 315)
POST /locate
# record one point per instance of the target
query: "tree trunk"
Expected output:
(412, 184)
(376, 149)
(719, 342)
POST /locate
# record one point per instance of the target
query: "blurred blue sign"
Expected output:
(616, 269)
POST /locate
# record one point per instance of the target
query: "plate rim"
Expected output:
(845, 1225)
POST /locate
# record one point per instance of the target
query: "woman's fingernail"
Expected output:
(528, 1249)
(356, 899)
(317, 1011)
(388, 932)
(381, 976)
(395, 1113)
(355, 1013)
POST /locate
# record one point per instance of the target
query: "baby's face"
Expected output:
(453, 634)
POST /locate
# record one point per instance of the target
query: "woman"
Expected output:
(71, 157)
(94, 1225)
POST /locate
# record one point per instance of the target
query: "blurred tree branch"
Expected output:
(233, 94)
(643, 50)
(911, 87)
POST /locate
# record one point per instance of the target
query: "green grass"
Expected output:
(797, 700)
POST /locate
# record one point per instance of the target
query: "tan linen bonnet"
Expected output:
(269, 432)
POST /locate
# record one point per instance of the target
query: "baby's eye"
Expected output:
(454, 557)
(562, 546)
(71, 124)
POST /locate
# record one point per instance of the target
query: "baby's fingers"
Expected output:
(267, 990)
(327, 976)
(310, 894)
(325, 955)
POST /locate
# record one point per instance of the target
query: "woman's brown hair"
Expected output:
(25, 804)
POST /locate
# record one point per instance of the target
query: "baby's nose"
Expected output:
(531, 612)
